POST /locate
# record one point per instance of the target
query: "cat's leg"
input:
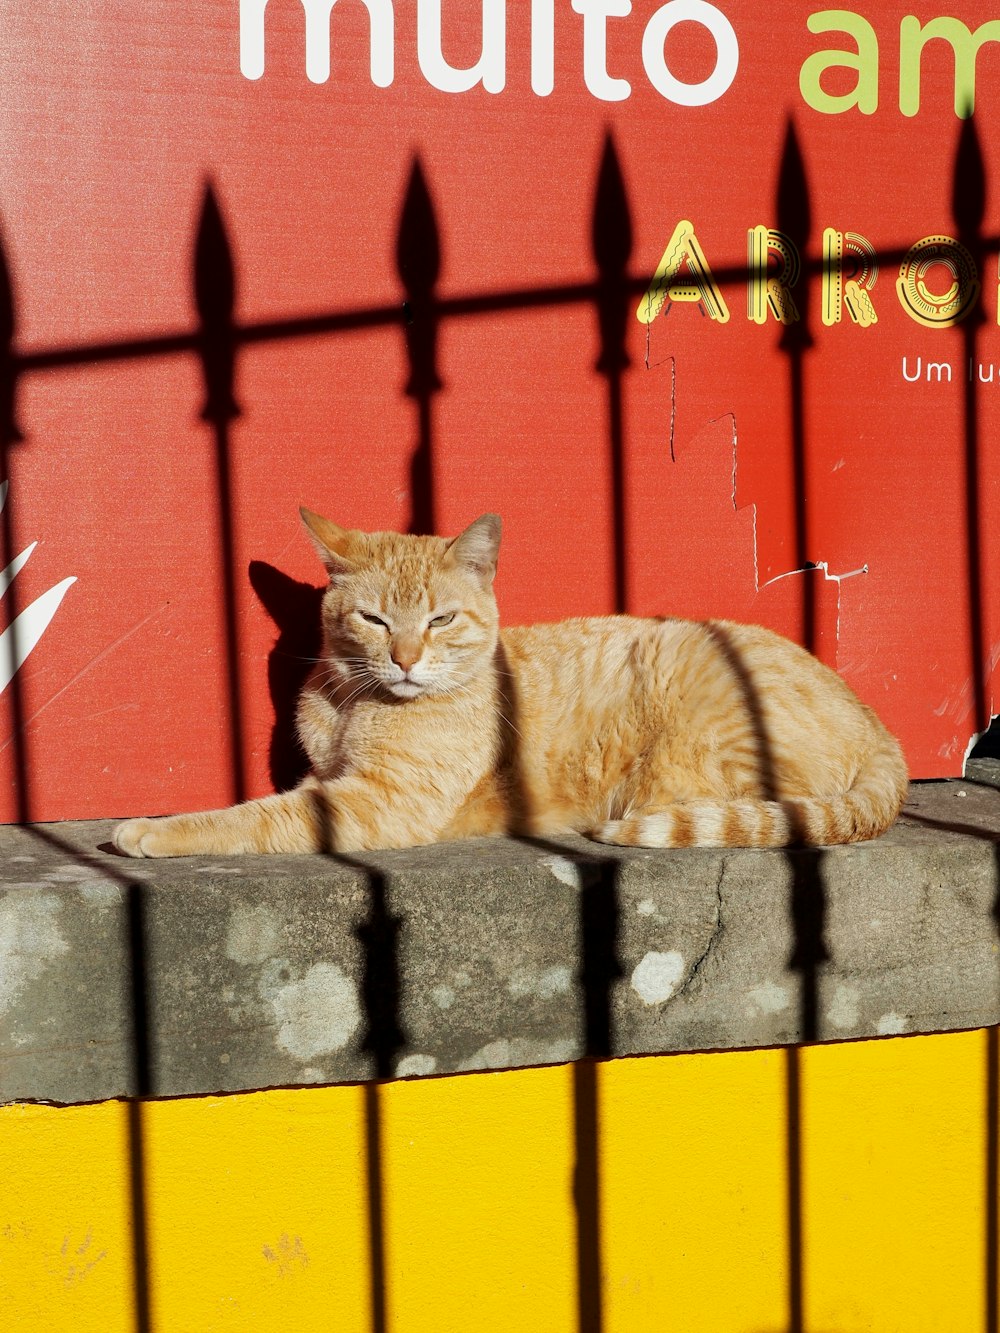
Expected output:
(291, 822)
(355, 814)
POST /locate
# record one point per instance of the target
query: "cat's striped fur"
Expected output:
(423, 723)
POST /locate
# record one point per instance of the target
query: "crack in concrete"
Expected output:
(718, 930)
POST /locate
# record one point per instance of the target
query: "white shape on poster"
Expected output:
(24, 631)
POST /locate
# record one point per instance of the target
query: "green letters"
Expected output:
(965, 44)
(865, 61)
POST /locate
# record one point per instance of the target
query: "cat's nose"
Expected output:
(406, 652)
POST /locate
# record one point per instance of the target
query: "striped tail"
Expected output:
(864, 811)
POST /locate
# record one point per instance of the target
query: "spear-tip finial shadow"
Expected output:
(215, 301)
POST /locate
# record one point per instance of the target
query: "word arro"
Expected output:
(937, 284)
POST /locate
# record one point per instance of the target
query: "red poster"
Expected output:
(702, 298)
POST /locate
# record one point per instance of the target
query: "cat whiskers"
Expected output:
(360, 677)
(332, 674)
(364, 690)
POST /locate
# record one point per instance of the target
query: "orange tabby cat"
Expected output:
(423, 723)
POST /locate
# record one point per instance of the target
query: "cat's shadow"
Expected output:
(295, 609)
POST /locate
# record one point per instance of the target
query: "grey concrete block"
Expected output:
(201, 975)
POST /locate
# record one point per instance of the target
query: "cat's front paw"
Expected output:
(139, 837)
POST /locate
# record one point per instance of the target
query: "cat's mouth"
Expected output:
(405, 689)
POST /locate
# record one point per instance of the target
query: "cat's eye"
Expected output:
(437, 622)
(372, 619)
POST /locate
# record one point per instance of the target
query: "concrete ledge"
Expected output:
(201, 975)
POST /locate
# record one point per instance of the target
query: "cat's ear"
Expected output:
(333, 544)
(476, 548)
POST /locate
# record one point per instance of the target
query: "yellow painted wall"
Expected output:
(257, 1206)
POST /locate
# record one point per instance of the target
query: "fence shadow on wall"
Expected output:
(217, 341)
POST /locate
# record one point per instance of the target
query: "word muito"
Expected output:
(490, 70)
(937, 284)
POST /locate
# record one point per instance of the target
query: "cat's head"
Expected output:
(406, 615)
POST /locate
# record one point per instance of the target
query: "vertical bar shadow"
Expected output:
(383, 1038)
(418, 261)
(10, 436)
(141, 1083)
(611, 239)
(215, 299)
(599, 926)
(969, 208)
(808, 897)
(808, 910)
(599, 917)
(143, 1087)
(806, 864)
(969, 211)
(611, 236)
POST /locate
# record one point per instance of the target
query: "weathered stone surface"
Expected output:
(120, 977)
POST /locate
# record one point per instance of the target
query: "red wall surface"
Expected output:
(404, 306)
